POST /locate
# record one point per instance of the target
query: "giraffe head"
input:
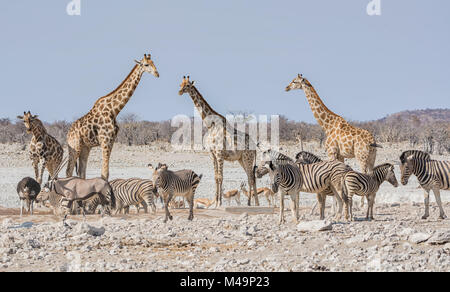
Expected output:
(28, 119)
(299, 82)
(185, 85)
(147, 65)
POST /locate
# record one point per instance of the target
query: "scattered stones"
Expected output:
(440, 237)
(315, 225)
(84, 228)
(419, 237)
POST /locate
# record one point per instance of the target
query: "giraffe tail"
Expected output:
(376, 145)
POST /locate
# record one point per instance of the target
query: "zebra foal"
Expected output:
(175, 183)
(431, 174)
(366, 185)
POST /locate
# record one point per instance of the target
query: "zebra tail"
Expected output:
(200, 176)
(376, 145)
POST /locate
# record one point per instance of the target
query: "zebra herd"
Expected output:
(307, 173)
(333, 178)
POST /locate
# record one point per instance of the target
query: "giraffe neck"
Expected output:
(38, 130)
(323, 115)
(115, 101)
(202, 106)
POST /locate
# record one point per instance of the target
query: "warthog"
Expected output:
(75, 189)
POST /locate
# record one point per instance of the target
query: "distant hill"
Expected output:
(425, 116)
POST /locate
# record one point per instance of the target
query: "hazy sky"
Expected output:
(241, 53)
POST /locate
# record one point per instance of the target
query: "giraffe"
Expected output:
(343, 140)
(99, 126)
(43, 147)
(218, 140)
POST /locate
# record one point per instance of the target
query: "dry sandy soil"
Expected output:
(217, 240)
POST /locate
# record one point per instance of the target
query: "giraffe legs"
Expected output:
(219, 180)
(73, 158)
(36, 168)
(82, 166)
(106, 154)
(41, 174)
(247, 164)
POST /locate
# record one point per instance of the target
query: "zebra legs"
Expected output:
(370, 203)
(281, 221)
(437, 195)
(427, 204)
(294, 206)
(190, 199)
(167, 198)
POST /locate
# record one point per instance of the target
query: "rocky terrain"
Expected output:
(216, 240)
(219, 240)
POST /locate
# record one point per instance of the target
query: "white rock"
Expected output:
(85, 228)
(406, 232)
(440, 237)
(419, 237)
(315, 225)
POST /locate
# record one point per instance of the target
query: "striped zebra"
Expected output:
(287, 179)
(431, 174)
(133, 192)
(308, 158)
(367, 185)
(321, 178)
(175, 183)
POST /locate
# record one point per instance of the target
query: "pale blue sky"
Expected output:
(242, 55)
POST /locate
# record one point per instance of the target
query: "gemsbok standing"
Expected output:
(431, 174)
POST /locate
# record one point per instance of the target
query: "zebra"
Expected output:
(322, 178)
(308, 158)
(431, 174)
(287, 179)
(175, 183)
(133, 191)
(367, 185)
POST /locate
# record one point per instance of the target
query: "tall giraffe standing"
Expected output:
(99, 126)
(343, 140)
(218, 141)
(43, 147)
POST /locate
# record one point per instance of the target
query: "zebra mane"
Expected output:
(308, 157)
(276, 157)
(381, 166)
(417, 154)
